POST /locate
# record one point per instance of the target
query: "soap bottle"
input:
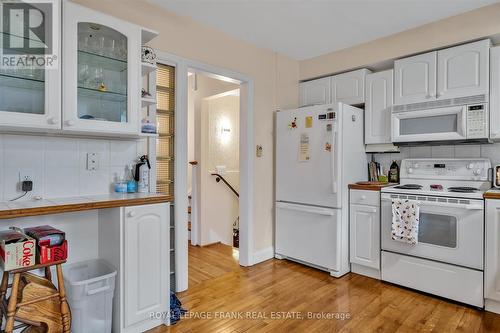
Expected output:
(131, 183)
(394, 172)
(120, 185)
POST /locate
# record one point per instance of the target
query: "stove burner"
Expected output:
(409, 187)
(463, 189)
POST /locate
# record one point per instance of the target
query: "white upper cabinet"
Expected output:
(349, 88)
(463, 70)
(415, 79)
(379, 99)
(30, 97)
(495, 94)
(458, 71)
(101, 74)
(315, 92)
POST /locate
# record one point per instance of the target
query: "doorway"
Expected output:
(213, 152)
(246, 152)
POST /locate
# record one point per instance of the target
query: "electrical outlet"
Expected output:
(25, 174)
(92, 161)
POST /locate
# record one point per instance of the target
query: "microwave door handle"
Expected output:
(464, 122)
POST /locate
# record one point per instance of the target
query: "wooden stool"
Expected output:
(12, 306)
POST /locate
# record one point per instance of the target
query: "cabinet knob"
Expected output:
(131, 214)
(52, 121)
(363, 197)
(70, 122)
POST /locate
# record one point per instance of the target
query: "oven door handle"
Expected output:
(447, 205)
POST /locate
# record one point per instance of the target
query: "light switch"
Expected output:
(259, 151)
(92, 161)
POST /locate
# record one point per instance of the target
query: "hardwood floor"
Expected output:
(218, 286)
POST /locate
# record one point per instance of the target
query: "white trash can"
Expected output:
(90, 286)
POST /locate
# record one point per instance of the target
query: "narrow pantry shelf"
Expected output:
(147, 68)
(147, 101)
(148, 135)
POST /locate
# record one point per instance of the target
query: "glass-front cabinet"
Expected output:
(30, 95)
(101, 74)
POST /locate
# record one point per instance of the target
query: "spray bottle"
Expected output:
(142, 174)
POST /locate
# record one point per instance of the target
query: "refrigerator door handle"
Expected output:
(334, 157)
(305, 209)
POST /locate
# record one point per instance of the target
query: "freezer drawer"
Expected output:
(309, 234)
(457, 283)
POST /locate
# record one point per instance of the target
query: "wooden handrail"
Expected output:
(219, 178)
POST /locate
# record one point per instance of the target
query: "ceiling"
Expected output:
(304, 29)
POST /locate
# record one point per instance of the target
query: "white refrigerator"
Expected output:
(319, 151)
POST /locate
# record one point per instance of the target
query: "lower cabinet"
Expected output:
(136, 241)
(492, 256)
(364, 226)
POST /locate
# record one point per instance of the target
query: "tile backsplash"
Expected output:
(59, 165)
(491, 151)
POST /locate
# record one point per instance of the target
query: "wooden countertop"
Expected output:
(494, 193)
(369, 187)
(13, 209)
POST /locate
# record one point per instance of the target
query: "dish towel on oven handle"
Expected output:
(405, 220)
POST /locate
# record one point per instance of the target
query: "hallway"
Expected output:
(218, 286)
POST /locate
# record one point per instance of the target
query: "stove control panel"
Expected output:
(456, 169)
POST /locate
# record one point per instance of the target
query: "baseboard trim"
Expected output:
(208, 244)
(263, 255)
(492, 306)
(366, 271)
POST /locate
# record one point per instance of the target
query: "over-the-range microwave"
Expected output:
(436, 122)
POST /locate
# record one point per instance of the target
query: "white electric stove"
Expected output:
(448, 259)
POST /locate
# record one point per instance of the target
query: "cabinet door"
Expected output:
(415, 79)
(101, 91)
(463, 70)
(495, 94)
(379, 99)
(315, 92)
(146, 262)
(349, 88)
(364, 223)
(492, 253)
(30, 96)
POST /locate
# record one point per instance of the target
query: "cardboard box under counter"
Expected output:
(17, 250)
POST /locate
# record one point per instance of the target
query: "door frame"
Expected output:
(182, 67)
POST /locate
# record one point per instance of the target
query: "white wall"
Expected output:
(491, 151)
(206, 87)
(219, 205)
(58, 165)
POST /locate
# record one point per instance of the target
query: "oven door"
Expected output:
(450, 230)
(442, 124)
